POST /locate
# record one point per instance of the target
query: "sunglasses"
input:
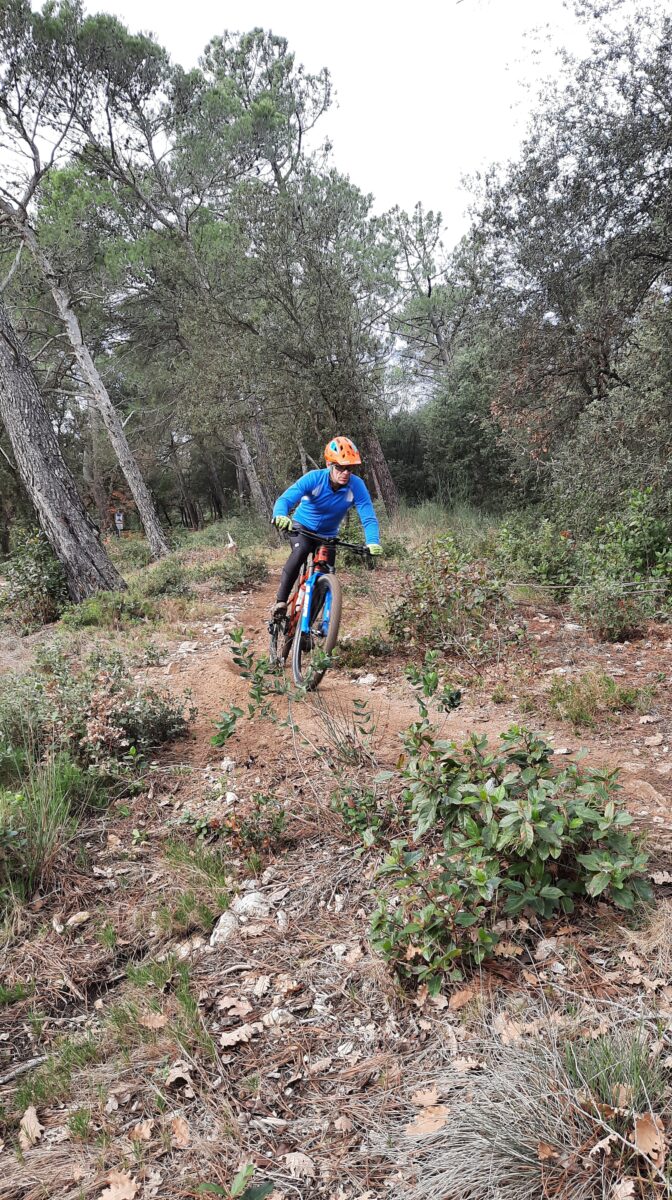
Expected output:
(342, 469)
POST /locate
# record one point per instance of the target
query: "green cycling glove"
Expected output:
(282, 522)
(374, 549)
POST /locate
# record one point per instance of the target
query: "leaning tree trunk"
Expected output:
(376, 460)
(259, 500)
(46, 477)
(99, 394)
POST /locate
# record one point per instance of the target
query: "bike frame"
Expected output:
(306, 583)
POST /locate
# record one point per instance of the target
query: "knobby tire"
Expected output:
(301, 654)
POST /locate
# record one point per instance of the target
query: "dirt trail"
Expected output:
(331, 1050)
(646, 771)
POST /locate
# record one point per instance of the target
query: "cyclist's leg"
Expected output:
(301, 547)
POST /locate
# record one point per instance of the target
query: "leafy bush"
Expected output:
(109, 610)
(632, 545)
(92, 710)
(168, 578)
(503, 829)
(592, 695)
(36, 591)
(611, 611)
(129, 551)
(358, 652)
(451, 604)
(533, 550)
(233, 572)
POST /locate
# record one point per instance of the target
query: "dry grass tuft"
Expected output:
(653, 942)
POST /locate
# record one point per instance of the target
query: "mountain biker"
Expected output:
(323, 498)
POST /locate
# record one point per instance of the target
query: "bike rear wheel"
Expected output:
(282, 632)
(310, 648)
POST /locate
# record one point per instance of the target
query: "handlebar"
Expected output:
(356, 547)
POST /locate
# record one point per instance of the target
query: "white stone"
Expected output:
(225, 929)
(367, 680)
(227, 764)
(253, 905)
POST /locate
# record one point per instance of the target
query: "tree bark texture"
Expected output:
(377, 462)
(259, 501)
(99, 394)
(45, 475)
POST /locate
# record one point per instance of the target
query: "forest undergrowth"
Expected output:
(399, 937)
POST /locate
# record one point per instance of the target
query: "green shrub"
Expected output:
(633, 545)
(537, 551)
(358, 652)
(168, 578)
(129, 551)
(611, 611)
(37, 823)
(490, 830)
(452, 604)
(592, 695)
(245, 530)
(36, 591)
(91, 710)
(232, 573)
(109, 610)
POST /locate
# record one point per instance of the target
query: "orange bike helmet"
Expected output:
(342, 451)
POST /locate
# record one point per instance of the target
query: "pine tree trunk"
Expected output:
(99, 394)
(378, 463)
(46, 477)
(91, 472)
(259, 500)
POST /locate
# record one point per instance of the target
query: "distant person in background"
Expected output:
(118, 523)
(323, 499)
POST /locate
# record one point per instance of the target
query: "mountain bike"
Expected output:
(309, 630)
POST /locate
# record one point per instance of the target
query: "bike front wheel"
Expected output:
(310, 648)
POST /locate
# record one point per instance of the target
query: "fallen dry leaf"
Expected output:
(426, 1097)
(545, 1151)
(320, 1065)
(179, 1133)
(656, 740)
(300, 1166)
(76, 919)
(462, 1065)
(621, 1095)
(509, 1031)
(242, 1033)
(623, 1190)
(262, 986)
(661, 877)
(30, 1130)
(428, 1120)
(122, 1187)
(545, 948)
(234, 1006)
(508, 950)
(153, 1020)
(461, 997)
(650, 1138)
(604, 1144)
(343, 1124)
(142, 1132)
(178, 1076)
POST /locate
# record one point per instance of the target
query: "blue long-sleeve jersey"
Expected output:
(322, 509)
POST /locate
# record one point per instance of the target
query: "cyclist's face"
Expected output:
(340, 474)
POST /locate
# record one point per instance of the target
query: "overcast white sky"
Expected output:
(425, 93)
